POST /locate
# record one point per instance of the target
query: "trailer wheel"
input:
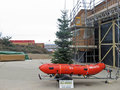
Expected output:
(106, 81)
(62, 77)
(65, 77)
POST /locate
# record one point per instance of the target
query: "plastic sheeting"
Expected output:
(13, 52)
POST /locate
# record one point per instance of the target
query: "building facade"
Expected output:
(23, 42)
(99, 28)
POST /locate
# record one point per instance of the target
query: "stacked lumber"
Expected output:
(12, 57)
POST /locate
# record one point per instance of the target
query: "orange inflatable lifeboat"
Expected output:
(72, 69)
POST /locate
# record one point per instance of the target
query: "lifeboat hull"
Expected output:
(74, 69)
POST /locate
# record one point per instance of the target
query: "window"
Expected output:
(85, 69)
(51, 68)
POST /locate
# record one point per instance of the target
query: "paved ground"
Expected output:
(23, 75)
(40, 56)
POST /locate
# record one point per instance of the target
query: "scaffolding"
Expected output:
(97, 15)
(86, 46)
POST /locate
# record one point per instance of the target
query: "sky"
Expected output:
(32, 19)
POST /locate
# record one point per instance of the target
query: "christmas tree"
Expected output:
(63, 53)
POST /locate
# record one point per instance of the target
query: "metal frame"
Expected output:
(75, 27)
(113, 44)
(52, 77)
(104, 14)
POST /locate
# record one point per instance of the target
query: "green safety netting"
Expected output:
(13, 52)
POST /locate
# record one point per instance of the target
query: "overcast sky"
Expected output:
(31, 19)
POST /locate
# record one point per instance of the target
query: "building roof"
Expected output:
(22, 41)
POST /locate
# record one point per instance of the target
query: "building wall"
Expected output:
(80, 36)
(79, 19)
(51, 47)
(107, 50)
(23, 42)
(40, 45)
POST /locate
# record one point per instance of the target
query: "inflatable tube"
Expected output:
(74, 69)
